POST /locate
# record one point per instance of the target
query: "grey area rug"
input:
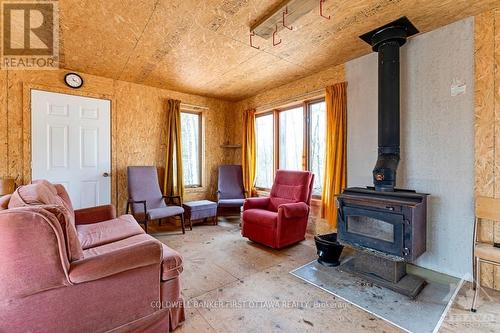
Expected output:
(421, 315)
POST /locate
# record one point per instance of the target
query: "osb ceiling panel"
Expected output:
(202, 47)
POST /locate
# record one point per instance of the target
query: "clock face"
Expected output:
(73, 80)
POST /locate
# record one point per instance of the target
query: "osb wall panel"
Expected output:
(137, 134)
(3, 123)
(487, 127)
(141, 134)
(301, 86)
(496, 94)
(484, 104)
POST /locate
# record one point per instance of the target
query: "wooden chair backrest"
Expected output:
(488, 208)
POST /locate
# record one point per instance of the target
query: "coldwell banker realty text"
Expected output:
(30, 35)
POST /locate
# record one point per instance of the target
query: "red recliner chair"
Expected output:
(280, 219)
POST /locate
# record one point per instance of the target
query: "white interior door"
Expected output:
(70, 145)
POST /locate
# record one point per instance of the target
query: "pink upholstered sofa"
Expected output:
(280, 220)
(82, 271)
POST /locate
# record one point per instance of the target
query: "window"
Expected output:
(291, 144)
(317, 143)
(264, 128)
(300, 133)
(191, 148)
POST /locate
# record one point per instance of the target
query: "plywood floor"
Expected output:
(233, 285)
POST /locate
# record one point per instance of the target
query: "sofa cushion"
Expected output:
(43, 193)
(73, 246)
(261, 217)
(97, 250)
(64, 196)
(96, 234)
(171, 259)
(4, 201)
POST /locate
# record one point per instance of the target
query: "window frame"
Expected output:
(308, 135)
(278, 113)
(263, 114)
(200, 149)
(306, 109)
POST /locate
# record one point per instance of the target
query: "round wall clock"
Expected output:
(73, 80)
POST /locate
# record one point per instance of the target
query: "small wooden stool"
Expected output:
(202, 209)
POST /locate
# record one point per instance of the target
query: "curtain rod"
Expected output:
(282, 102)
(193, 107)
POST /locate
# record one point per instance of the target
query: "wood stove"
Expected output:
(390, 224)
(386, 225)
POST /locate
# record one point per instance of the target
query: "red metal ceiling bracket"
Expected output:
(252, 34)
(285, 13)
(321, 2)
(274, 37)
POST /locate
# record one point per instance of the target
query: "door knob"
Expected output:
(106, 174)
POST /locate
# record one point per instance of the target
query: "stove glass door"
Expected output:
(372, 228)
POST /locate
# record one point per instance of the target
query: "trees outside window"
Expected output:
(191, 148)
(264, 128)
(294, 137)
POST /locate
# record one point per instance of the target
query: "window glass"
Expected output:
(264, 151)
(317, 144)
(291, 139)
(191, 148)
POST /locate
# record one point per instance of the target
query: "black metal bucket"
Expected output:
(328, 249)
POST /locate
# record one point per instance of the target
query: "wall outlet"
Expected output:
(458, 87)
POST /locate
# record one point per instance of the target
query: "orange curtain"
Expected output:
(248, 151)
(336, 150)
(174, 181)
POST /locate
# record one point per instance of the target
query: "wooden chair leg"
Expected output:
(146, 226)
(159, 222)
(190, 224)
(477, 284)
(182, 224)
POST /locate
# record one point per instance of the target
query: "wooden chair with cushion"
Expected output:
(230, 189)
(486, 208)
(147, 201)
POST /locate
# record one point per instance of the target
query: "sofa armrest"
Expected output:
(294, 210)
(253, 203)
(95, 214)
(114, 262)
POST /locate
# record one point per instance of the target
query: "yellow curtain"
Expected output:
(336, 150)
(248, 151)
(174, 184)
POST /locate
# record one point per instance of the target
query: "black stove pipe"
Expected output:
(387, 41)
